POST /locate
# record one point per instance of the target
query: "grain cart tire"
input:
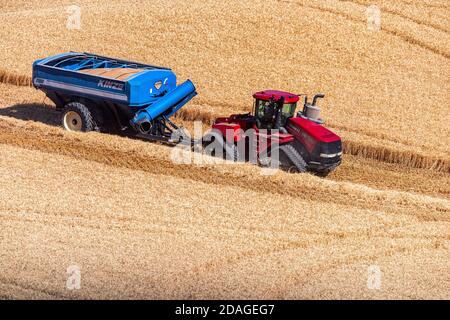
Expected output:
(77, 117)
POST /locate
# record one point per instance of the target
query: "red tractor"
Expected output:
(300, 140)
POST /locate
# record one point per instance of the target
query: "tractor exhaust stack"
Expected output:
(310, 110)
(317, 96)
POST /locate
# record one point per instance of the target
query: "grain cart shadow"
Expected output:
(33, 112)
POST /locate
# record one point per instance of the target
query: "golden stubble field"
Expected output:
(140, 226)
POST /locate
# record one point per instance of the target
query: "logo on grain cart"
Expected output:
(110, 85)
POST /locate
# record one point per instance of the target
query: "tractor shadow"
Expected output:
(33, 112)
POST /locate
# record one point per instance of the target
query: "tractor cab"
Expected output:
(272, 108)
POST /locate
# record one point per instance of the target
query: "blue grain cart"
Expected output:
(94, 91)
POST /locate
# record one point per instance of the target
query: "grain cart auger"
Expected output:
(303, 143)
(107, 94)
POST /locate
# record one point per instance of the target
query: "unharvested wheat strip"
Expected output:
(195, 114)
(384, 154)
(14, 78)
(389, 155)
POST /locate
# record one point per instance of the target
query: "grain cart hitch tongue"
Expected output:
(107, 94)
(303, 143)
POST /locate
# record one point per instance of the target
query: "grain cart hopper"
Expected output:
(94, 92)
(303, 143)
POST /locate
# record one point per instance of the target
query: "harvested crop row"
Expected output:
(156, 159)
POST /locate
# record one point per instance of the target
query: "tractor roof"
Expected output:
(268, 94)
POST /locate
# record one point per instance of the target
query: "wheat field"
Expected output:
(140, 226)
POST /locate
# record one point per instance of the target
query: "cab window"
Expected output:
(288, 110)
(259, 108)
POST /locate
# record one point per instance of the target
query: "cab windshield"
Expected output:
(266, 113)
(287, 111)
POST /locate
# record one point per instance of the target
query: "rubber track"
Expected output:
(295, 157)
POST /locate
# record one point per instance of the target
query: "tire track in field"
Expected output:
(324, 239)
(405, 37)
(286, 285)
(401, 15)
(62, 10)
(142, 226)
(295, 281)
(425, 4)
(51, 293)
